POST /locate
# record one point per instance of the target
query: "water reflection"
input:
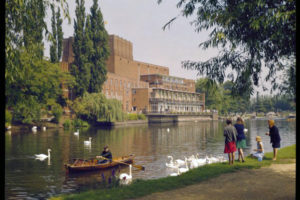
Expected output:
(27, 177)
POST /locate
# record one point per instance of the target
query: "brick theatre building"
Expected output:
(141, 87)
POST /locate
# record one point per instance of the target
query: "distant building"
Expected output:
(141, 87)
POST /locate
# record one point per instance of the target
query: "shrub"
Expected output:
(67, 124)
(57, 111)
(8, 117)
(79, 123)
(142, 117)
(132, 116)
(27, 111)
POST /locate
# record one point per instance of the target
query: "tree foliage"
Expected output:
(99, 56)
(81, 67)
(57, 35)
(250, 33)
(90, 49)
(220, 97)
(95, 107)
(31, 82)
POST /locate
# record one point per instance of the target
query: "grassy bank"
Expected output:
(144, 187)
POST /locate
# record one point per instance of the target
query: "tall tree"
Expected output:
(53, 46)
(60, 34)
(250, 33)
(99, 56)
(80, 68)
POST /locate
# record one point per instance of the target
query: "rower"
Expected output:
(106, 154)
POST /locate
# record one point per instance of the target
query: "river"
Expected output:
(28, 178)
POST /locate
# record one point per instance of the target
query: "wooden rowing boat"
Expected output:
(81, 165)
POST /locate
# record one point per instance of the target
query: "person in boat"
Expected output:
(274, 136)
(105, 155)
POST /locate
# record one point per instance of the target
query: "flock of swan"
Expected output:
(182, 166)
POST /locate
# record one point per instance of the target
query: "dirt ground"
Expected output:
(277, 181)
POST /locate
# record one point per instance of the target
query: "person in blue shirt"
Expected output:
(241, 139)
(274, 136)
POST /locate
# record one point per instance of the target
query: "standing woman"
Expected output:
(274, 136)
(230, 139)
(241, 139)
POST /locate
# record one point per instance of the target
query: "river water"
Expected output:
(28, 178)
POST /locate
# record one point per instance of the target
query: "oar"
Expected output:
(136, 166)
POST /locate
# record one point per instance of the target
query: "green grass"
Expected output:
(141, 188)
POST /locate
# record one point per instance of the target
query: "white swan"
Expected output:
(171, 164)
(182, 169)
(201, 161)
(213, 159)
(77, 132)
(193, 162)
(34, 128)
(44, 128)
(168, 129)
(88, 142)
(176, 174)
(42, 156)
(179, 162)
(125, 178)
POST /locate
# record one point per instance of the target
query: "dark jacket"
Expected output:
(274, 135)
(107, 154)
(240, 131)
(230, 134)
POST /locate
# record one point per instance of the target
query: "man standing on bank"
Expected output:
(241, 139)
(275, 137)
(230, 140)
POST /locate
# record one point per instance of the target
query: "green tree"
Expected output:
(59, 33)
(251, 34)
(53, 46)
(80, 68)
(99, 56)
(213, 96)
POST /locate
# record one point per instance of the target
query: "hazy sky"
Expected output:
(141, 22)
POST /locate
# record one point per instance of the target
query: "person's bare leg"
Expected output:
(229, 158)
(232, 155)
(239, 153)
(242, 155)
(275, 153)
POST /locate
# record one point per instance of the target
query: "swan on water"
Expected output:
(44, 128)
(42, 156)
(179, 162)
(201, 161)
(193, 162)
(77, 132)
(88, 142)
(182, 169)
(125, 178)
(34, 128)
(171, 164)
(168, 129)
(176, 174)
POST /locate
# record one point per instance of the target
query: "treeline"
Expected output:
(33, 83)
(220, 97)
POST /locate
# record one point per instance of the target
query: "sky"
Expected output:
(141, 22)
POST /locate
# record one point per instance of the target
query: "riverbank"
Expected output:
(142, 188)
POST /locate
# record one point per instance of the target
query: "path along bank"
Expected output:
(141, 188)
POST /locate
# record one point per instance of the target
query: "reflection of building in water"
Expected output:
(141, 87)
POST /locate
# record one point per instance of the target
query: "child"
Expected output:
(260, 150)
